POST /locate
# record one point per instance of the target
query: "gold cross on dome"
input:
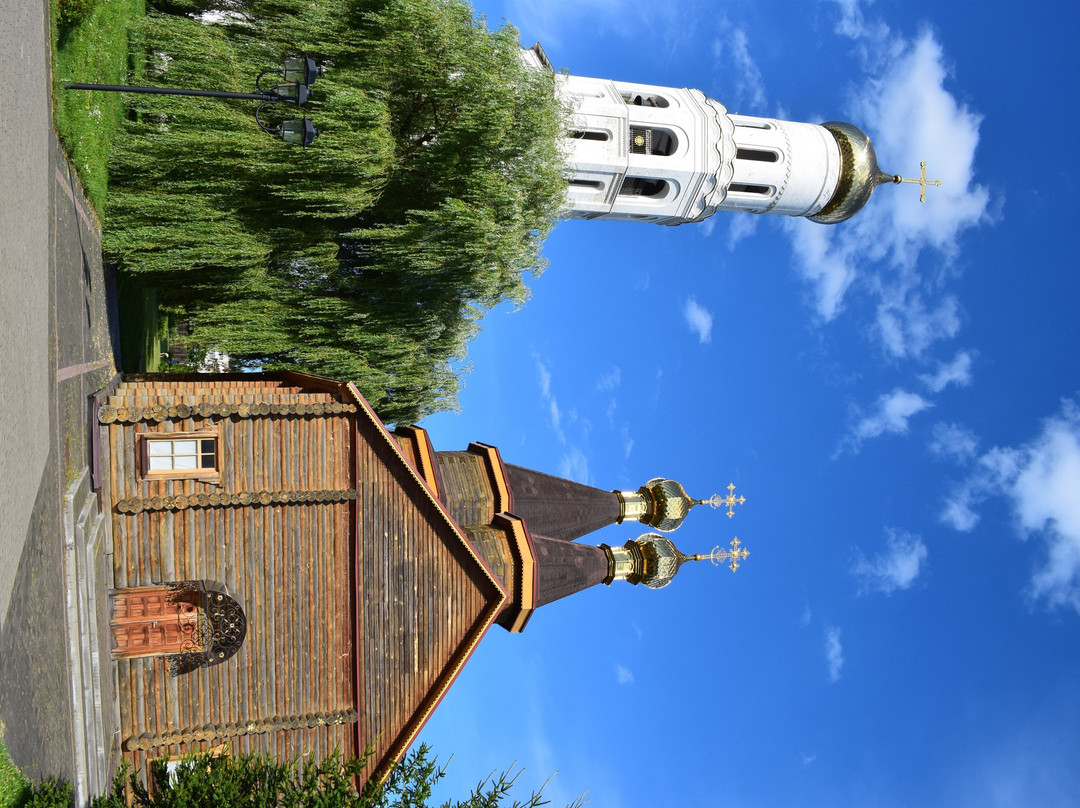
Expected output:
(922, 181)
(735, 555)
(715, 501)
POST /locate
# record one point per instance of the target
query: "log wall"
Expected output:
(290, 689)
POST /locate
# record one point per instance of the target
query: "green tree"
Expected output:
(259, 781)
(374, 255)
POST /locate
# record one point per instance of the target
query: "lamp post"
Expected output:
(298, 74)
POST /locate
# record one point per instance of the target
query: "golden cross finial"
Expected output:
(715, 501)
(734, 554)
(922, 181)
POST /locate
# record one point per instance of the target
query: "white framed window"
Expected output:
(173, 455)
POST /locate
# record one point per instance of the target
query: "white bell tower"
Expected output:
(638, 152)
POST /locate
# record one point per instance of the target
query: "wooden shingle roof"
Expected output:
(424, 600)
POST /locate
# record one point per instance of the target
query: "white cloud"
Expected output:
(746, 87)
(954, 442)
(544, 375)
(903, 104)
(896, 568)
(958, 514)
(574, 465)
(556, 418)
(1046, 496)
(742, 226)
(699, 320)
(890, 415)
(992, 475)
(853, 24)
(834, 653)
(916, 119)
(609, 380)
(548, 400)
(1041, 480)
(907, 326)
(957, 372)
(624, 675)
(824, 261)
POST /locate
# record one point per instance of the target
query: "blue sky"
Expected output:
(898, 397)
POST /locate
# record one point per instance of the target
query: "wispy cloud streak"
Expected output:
(896, 568)
(699, 320)
(834, 653)
(739, 70)
(890, 416)
(957, 372)
(954, 442)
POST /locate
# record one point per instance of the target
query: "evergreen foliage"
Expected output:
(259, 781)
(372, 255)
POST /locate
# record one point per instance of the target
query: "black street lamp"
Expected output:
(298, 72)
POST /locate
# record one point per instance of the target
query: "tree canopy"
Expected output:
(372, 255)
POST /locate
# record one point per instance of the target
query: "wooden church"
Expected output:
(290, 577)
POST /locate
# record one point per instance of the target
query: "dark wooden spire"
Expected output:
(563, 568)
(559, 508)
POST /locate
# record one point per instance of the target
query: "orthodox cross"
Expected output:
(922, 181)
(734, 554)
(730, 500)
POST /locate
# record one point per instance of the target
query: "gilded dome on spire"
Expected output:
(859, 174)
(661, 558)
(664, 504)
(653, 560)
(668, 503)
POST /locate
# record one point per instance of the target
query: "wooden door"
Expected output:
(154, 621)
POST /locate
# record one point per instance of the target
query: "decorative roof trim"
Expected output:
(500, 483)
(523, 604)
(425, 455)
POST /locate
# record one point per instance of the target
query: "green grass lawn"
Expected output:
(13, 786)
(144, 328)
(98, 49)
(101, 49)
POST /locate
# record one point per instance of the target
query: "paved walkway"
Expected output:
(55, 351)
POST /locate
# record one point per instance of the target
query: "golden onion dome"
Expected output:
(661, 560)
(668, 503)
(859, 174)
